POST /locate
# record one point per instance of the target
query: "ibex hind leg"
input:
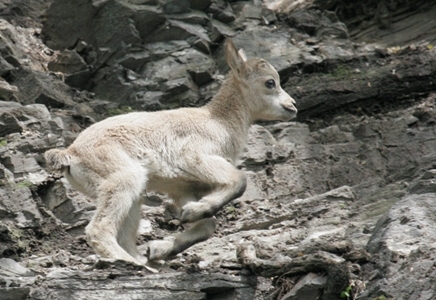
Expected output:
(127, 237)
(82, 179)
(200, 231)
(112, 231)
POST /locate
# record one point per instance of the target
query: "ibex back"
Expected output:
(187, 153)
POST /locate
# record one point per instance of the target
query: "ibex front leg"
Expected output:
(200, 231)
(229, 183)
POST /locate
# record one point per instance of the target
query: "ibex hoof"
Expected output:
(194, 211)
(159, 250)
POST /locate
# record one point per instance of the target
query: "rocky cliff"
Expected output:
(341, 203)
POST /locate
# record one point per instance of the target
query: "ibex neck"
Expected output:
(230, 106)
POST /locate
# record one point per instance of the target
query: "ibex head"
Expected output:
(260, 85)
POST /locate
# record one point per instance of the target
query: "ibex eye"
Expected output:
(270, 84)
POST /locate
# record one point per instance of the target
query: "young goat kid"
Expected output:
(187, 153)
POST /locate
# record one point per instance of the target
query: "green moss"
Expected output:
(23, 184)
(341, 71)
(18, 238)
(119, 111)
(3, 142)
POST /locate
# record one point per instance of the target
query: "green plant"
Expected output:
(354, 288)
(230, 209)
(3, 142)
(345, 294)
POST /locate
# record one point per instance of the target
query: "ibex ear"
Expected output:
(242, 54)
(235, 59)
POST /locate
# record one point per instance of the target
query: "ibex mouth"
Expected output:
(290, 109)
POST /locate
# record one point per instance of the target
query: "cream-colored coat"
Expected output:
(187, 153)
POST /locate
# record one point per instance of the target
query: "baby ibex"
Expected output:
(187, 153)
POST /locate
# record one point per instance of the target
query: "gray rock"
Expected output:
(260, 146)
(382, 23)
(68, 62)
(56, 126)
(113, 85)
(247, 10)
(308, 21)
(200, 67)
(7, 91)
(10, 268)
(146, 18)
(309, 287)
(39, 88)
(178, 86)
(61, 34)
(11, 52)
(362, 87)
(17, 118)
(9, 122)
(292, 133)
(218, 31)
(177, 30)
(15, 293)
(275, 48)
(135, 61)
(123, 27)
(4, 104)
(400, 237)
(268, 16)
(426, 183)
(175, 6)
(200, 4)
(166, 69)
(6, 176)
(20, 164)
(332, 134)
(38, 111)
(202, 45)
(316, 186)
(222, 11)
(17, 204)
(66, 204)
(73, 284)
(134, 22)
(5, 67)
(162, 50)
(151, 100)
(193, 17)
(188, 98)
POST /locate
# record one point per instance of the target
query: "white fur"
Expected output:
(187, 153)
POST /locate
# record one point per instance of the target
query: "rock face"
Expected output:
(340, 203)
